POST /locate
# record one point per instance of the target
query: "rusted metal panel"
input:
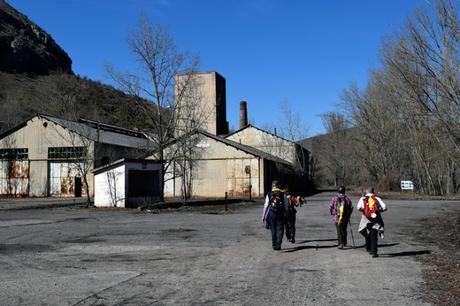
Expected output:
(242, 177)
(14, 178)
(62, 177)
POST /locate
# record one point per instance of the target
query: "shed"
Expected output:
(127, 183)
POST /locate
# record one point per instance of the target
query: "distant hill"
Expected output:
(67, 96)
(36, 77)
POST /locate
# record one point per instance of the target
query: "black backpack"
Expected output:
(275, 201)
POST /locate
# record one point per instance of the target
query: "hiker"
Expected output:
(341, 209)
(371, 223)
(293, 202)
(274, 214)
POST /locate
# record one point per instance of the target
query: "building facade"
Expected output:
(49, 156)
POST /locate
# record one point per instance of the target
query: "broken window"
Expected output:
(66, 153)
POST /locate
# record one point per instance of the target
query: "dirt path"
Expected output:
(96, 257)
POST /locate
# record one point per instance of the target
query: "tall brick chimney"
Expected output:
(243, 114)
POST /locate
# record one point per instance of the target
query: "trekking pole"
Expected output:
(351, 231)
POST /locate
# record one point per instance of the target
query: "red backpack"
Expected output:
(371, 207)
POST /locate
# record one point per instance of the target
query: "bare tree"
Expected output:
(334, 153)
(408, 114)
(289, 129)
(159, 63)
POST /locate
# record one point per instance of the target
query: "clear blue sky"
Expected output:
(304, 52)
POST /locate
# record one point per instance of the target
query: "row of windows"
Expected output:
(66, 152)
(14, 154)
(61, 153)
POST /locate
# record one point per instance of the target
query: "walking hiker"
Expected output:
(341, 209)
(293, 202)
(371, 221)
(274, 214)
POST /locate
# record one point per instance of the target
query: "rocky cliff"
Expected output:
(26, 48)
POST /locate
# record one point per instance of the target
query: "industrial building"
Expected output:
(49, 156)
(225, 166)
(241, 164)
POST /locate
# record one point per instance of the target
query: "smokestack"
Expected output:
(243, 114)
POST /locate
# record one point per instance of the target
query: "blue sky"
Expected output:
(304, 52)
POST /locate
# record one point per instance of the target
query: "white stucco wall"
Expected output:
(109, 188)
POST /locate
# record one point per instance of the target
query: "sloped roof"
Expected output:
(103, 133)
(245, 148)
(95, 131)
(266, 132)
(124, 161)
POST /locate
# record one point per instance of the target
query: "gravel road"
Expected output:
(71, 256)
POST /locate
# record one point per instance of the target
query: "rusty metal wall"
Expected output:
(243, 177)
(14, 178)
(62, 177)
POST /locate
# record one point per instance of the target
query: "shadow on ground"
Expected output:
(309, 247)
(317, 240)
(406, 253)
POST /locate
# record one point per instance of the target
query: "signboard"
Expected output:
(407, 185)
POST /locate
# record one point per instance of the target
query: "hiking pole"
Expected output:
(351, 231)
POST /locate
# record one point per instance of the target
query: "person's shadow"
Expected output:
(306, 247)
(406, 253)
(317, 240)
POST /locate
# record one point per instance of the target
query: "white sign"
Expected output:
(407, 185)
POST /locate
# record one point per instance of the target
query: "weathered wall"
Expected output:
(266, 142)
(211, 90)
(291, 152)
(220, 168)
(37, 136)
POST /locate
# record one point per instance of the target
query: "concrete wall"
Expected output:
(210, 89)
(109, 188)
(112, 185)
(293, 153)
(221, 168)
(266, 142)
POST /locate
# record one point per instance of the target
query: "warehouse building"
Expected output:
(49, 156)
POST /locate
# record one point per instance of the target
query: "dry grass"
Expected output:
(442, 267)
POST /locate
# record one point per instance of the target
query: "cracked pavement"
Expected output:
(74, 256)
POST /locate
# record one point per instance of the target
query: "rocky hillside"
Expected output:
(36, 77)
(26, 48)
(66, 96)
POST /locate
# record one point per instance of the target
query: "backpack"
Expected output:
(371, 207)
(342, 209)
(275, 201)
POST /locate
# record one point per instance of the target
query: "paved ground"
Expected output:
(37, 203)
(73, 256)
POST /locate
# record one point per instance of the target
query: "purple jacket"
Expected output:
(334, 209)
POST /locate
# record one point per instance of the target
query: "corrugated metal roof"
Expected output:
(106, 134)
